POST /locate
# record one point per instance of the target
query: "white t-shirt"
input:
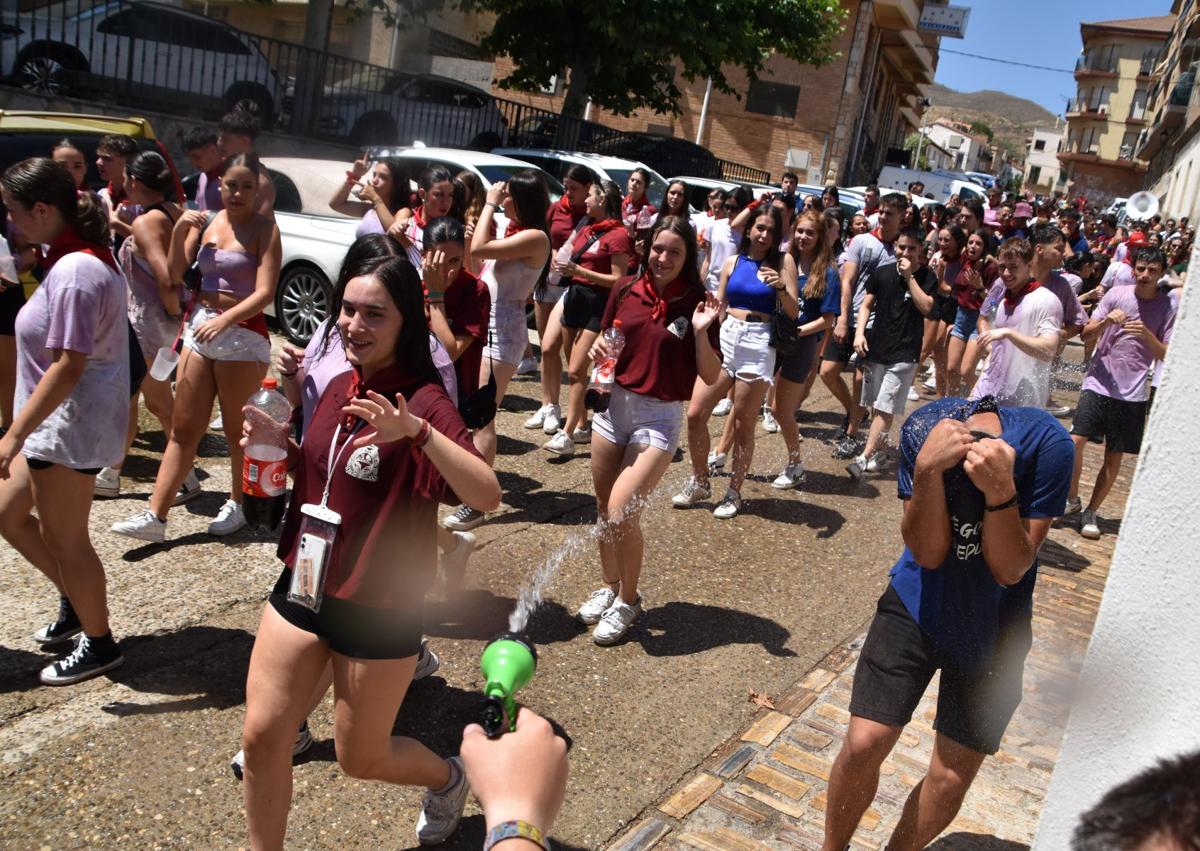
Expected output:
(723, 243)
(1013, 377)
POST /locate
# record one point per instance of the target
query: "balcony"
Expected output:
(1172, 113)
(1087, 66)
(1137, 114)
(897, 14)
(1084, 111)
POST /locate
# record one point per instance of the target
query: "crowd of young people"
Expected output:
(733, 311)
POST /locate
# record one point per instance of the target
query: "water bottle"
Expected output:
(600, 387)
(991, 305)
(264, 463)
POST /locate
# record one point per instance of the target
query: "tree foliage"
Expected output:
(983, 129)
(624, 54)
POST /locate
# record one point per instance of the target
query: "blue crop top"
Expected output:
(746, 291)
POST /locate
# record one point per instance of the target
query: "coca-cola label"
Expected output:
(604, 371)
(263, 478)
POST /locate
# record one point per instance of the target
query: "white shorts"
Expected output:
(632, 418)
(885, 386)
(232, 344)
(507, 333)
(746, 350)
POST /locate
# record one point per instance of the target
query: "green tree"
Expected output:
(910, 144)
(982, 129)
(624, 54)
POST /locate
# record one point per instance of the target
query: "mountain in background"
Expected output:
(1011, 118)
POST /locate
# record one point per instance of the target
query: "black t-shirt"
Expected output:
(896, 334)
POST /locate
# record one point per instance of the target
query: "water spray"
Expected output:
(508, 663)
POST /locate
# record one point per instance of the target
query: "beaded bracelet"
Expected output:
(515, 830)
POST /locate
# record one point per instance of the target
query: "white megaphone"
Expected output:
(1141, 206)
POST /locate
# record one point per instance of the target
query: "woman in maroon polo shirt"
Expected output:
(567, 216)
(637, 211)
(600, 256)
(383, 466)
(675, 203)
(670, 327)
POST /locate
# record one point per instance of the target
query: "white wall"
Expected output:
(1140, 687)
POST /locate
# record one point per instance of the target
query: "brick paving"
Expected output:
(766, 787)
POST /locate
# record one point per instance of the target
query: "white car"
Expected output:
(699, 187)
(314, 238)
(608, 168)
(375, 106)
(160, 52)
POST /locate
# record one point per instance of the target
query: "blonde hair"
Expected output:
(814, 287)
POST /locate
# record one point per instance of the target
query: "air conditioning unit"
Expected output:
(797, 159)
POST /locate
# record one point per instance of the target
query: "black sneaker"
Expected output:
(850, 447)
(90, 658)
(63, 629)
(840, 434)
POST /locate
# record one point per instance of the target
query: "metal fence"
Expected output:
(155, 56)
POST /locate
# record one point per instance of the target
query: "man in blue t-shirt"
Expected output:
(980, 485)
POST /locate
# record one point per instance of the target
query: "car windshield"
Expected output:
(657, 189)
(495, 173)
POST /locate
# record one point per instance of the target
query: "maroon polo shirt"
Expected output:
(561, 221)
(598, 256)
(385, 554)
(655, 362)
(468, 305)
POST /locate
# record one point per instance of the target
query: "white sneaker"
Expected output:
(596, 605)
(857, 468)
(615, 622)
(560, 444)
(877, 463)
(145, 526)
(723, 408)
(218, 424)
(539, 417)
(554, 420)
(730, 505)
(189, 490)
(303, 742)
(1089, 525)
(108, 483)
(230, 519)
(1074, 506)
(427, 662)
(913, 395)
(769, 423)
(454, 562)
(583, 434)
(792, 476)
(693, 492)
(716, 460)
(931, 381)
(527, 366)
(441, 812)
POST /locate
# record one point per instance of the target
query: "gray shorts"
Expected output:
(633, 418)
(885, 386)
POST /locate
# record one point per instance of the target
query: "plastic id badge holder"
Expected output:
(318, 531)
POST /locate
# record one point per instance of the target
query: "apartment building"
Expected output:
(1170, 144)
(969, 152)
(1109, 110)
(1043, 172)
(836, 123)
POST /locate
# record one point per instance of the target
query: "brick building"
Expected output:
(1108, 112)
(832, 123)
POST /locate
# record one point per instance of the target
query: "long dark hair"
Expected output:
(436, 174)
(959, 237)
(531, 199)
(401, 189)
(773, 253)
(151, 169)
(612, 199)
(682, 228)
(365, 255)
(42, 179)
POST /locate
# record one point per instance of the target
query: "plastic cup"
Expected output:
(164, 363)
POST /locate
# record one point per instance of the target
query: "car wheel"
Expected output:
(374, 128)
(252, 98)
(486, 141)
(302, 302)
(48, 72)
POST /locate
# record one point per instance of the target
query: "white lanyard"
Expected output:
(334, 460)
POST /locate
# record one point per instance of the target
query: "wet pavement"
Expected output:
(734, 608)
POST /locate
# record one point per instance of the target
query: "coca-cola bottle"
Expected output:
(264, 462)
(600, 387)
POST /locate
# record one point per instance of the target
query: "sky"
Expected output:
(1038, 32)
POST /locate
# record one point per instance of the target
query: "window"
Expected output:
(777, 99)
(1035, 174)
(1039, 145)
(287, 196)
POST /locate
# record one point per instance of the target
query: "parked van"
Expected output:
(940, 184)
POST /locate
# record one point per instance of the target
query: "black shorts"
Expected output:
(11, 302)
(840, 352)
(351, 629)
(945, 309)
(898, 660)
(137, 362)
(797, 366)
(1117, 424)
(39, 464)
(583, 307)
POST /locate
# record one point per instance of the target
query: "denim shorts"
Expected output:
(634, 418)
(965, 324)
(746, 350)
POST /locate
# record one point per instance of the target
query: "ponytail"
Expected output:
(40, 179)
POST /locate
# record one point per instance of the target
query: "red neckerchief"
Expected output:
(68, 242)
(512, 228)
(878, 234)
(419, 216)
(629, 207)
(649, 294)
(565, 205)
(601, 227)
(114, 196)
(1011, 301)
